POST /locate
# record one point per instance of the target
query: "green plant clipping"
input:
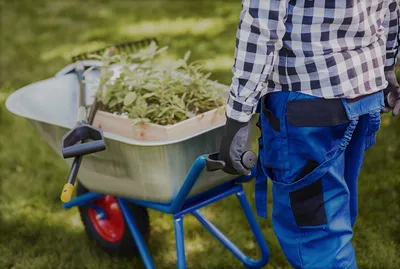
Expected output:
(148, 89)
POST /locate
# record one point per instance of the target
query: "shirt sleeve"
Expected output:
(258, 40)
(392, 24)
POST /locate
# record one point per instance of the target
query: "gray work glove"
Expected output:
(392, 94)
(232, 146)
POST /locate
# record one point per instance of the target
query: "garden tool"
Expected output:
(85, 139)
(129, 47)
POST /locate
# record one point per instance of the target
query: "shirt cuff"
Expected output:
(239, 111)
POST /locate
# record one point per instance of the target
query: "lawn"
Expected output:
(36, 40)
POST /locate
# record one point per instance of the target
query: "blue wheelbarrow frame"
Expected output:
(181, 206)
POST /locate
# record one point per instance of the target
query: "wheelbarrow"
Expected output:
(116, 186)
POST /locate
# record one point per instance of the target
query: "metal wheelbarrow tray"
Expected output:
(171, 177)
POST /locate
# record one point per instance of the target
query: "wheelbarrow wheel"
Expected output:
(110, 231)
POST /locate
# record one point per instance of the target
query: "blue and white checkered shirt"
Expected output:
(328, 49)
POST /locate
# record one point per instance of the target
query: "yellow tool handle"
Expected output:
(66, 193)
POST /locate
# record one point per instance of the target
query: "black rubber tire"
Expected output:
(126, 246)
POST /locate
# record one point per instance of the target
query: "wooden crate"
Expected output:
(153, 132)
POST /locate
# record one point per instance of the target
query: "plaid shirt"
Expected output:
(328, 49)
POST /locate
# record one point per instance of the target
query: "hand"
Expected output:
(233, 146)
(392, 94)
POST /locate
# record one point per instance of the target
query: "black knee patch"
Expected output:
(308, 205)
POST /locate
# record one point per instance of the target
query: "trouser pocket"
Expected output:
(273, 138)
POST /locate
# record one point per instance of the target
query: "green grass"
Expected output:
(38, 37)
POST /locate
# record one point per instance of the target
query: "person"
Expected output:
(320, 74)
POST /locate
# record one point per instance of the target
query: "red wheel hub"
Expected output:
(111, 226)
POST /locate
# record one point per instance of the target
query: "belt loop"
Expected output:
(348, 110)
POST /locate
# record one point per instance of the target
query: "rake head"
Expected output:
(129, 47)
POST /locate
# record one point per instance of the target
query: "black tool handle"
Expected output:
(82, 140)
(84, 149)
(213, 163)
(68, 189)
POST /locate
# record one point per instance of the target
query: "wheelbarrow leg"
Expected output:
(247, 261)
(180, 243)
(137, 237)
(255, 227)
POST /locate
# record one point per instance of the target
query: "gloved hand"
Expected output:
(392, 94)
(232, 146)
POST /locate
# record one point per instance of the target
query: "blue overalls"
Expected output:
(312, 150)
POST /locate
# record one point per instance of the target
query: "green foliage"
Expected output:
(148, 89)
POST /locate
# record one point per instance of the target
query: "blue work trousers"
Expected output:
(312, 149)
